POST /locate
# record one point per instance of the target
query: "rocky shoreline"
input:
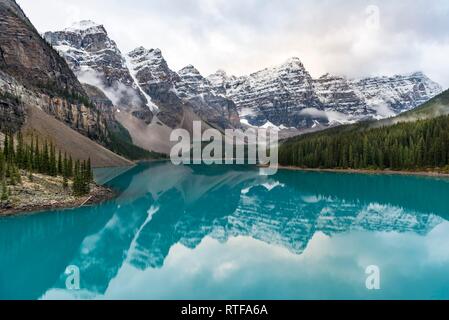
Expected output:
(46, 193)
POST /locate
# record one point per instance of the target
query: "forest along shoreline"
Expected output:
(367, 171)
(48, 201)
(34, 176)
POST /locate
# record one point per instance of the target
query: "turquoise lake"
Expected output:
(227, 232)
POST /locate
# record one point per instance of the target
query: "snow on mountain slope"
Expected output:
(173, 91)
(338, 94)
(399, 93)
(276, 95)
(287, 95)
(154, 108)
(192, 83)
(156, 79)
(197, 90)
(97, 60)
(85, 26)
(150, 67)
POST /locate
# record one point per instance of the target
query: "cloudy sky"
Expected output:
(347, 37)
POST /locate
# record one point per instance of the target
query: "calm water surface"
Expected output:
(230, 233)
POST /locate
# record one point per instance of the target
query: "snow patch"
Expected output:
(132, 70)
(86, 27)
(269, 125)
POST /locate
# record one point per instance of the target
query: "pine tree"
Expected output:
(70, 167)
(65, 170)
(404, 146)
(90, 174)
(80, 179)
(53, 169)
(20, 150)
(30, 172)
(11, 153)
(45, 160)
(31, 152)
(5, 192)
(65, 182)
(37, 156)
(60, 163)
(2, 166)
(77, 188)
(6, 146)
(17, 176)
(32, 158)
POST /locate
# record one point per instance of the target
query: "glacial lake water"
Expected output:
(220, 232)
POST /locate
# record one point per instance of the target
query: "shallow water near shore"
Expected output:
(226, 232)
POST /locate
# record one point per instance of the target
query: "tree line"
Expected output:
(17, 157)
(405, 146)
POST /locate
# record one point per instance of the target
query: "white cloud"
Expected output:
(244, 36)
(115, 93)
(331, 116)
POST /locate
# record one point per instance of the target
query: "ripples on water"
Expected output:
(227, 232)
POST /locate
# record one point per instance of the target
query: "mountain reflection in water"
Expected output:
(161, 207)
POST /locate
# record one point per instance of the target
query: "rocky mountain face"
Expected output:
(399, 93)
(338, 94)
(287, 96)
(105, 107)
(142, 79)
(33, 73)
(16, 99)
(96, 60)
(198, 91)
(36, 81)
(172, 92)
(28, 58)
(12, 111)
(276, 95)
(98, 97)
(156, 79)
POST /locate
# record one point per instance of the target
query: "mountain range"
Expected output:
(288, 96)
(285, 97)
(79, 82)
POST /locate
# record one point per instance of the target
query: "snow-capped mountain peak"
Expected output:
(293, 62)
(150, 65)
(187, 88)
(220, 73)
(83, 25)
(147, 54)
(96, 60)
(152, 59)
(192, 83)
(284, 96)
(218, 81)
(418, 74)
(287, 95)
(189, 70)
(86, 27)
